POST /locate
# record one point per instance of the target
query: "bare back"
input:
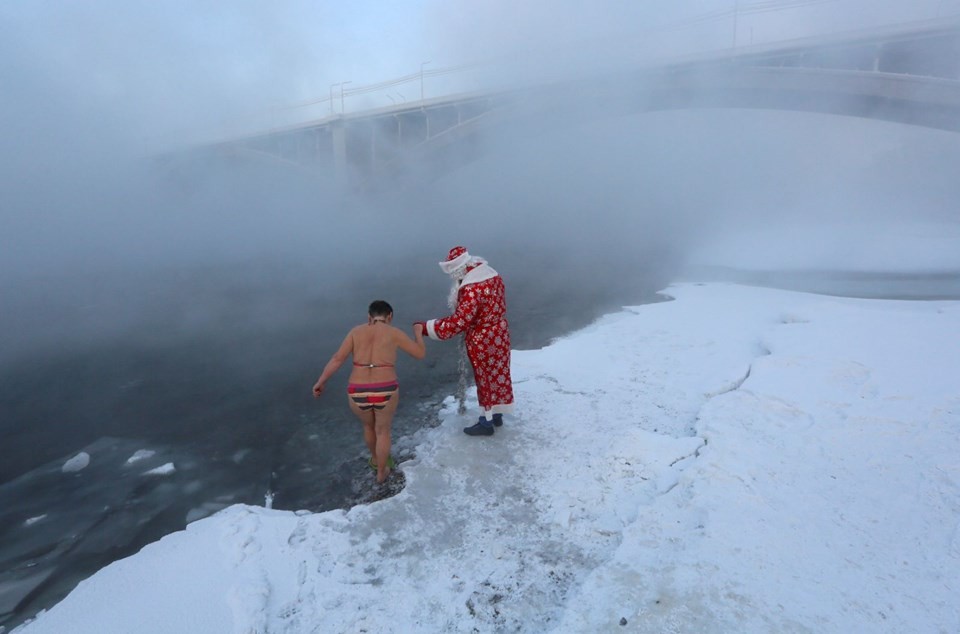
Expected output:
(375, 344)
(373, 392)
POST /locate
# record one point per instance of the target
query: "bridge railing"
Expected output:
(929, 48)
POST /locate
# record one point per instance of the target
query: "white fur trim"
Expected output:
(432, 329)
(506, 408)
(449, 266)
(481, 273)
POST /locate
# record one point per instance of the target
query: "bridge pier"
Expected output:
(338, 135)
(356, 148)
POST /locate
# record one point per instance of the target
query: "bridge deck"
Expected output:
(909, 74)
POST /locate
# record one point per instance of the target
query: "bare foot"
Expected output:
(381, 477)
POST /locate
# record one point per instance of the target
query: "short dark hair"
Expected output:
(380, 308)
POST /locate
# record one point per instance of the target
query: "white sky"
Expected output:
(737, 460)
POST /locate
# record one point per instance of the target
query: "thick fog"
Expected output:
(113, 216)
(541, 38)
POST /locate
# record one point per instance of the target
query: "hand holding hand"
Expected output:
(422, 328)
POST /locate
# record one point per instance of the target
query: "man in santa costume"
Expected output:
(478, 299)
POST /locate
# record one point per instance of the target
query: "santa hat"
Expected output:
(457, 257)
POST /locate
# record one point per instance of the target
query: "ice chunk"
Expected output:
(164, 469)
(77, 463)
(33, 520)
(140, 454)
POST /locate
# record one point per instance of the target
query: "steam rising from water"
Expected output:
(104, 234)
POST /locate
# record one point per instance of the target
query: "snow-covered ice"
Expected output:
(737, 460)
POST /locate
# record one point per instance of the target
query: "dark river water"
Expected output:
(189, 390)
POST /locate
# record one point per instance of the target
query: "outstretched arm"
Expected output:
(467, 307)
(344, 351)
(414, 347)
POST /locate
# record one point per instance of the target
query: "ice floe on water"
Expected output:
(140, 455)
(30, 521)
(77, 463)
(164, 469)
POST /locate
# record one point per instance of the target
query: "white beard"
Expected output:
(452, 297)
(457, 276)
(482, 271)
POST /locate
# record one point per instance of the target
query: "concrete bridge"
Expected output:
(909, 74)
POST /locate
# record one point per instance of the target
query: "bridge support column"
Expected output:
(338, 131)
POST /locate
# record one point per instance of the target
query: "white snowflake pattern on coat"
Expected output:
(481, 316)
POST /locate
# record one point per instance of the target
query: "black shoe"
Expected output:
(479, 430)
(498, 420)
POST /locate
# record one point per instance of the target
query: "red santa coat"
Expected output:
(481, 314)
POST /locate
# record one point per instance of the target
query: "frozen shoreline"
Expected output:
(740, 459)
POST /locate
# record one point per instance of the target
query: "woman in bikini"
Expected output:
(373, 391)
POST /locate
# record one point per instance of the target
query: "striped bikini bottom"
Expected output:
(372, 395)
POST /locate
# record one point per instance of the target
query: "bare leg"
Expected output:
(369, 431)
(370, 437)
(383, 422)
